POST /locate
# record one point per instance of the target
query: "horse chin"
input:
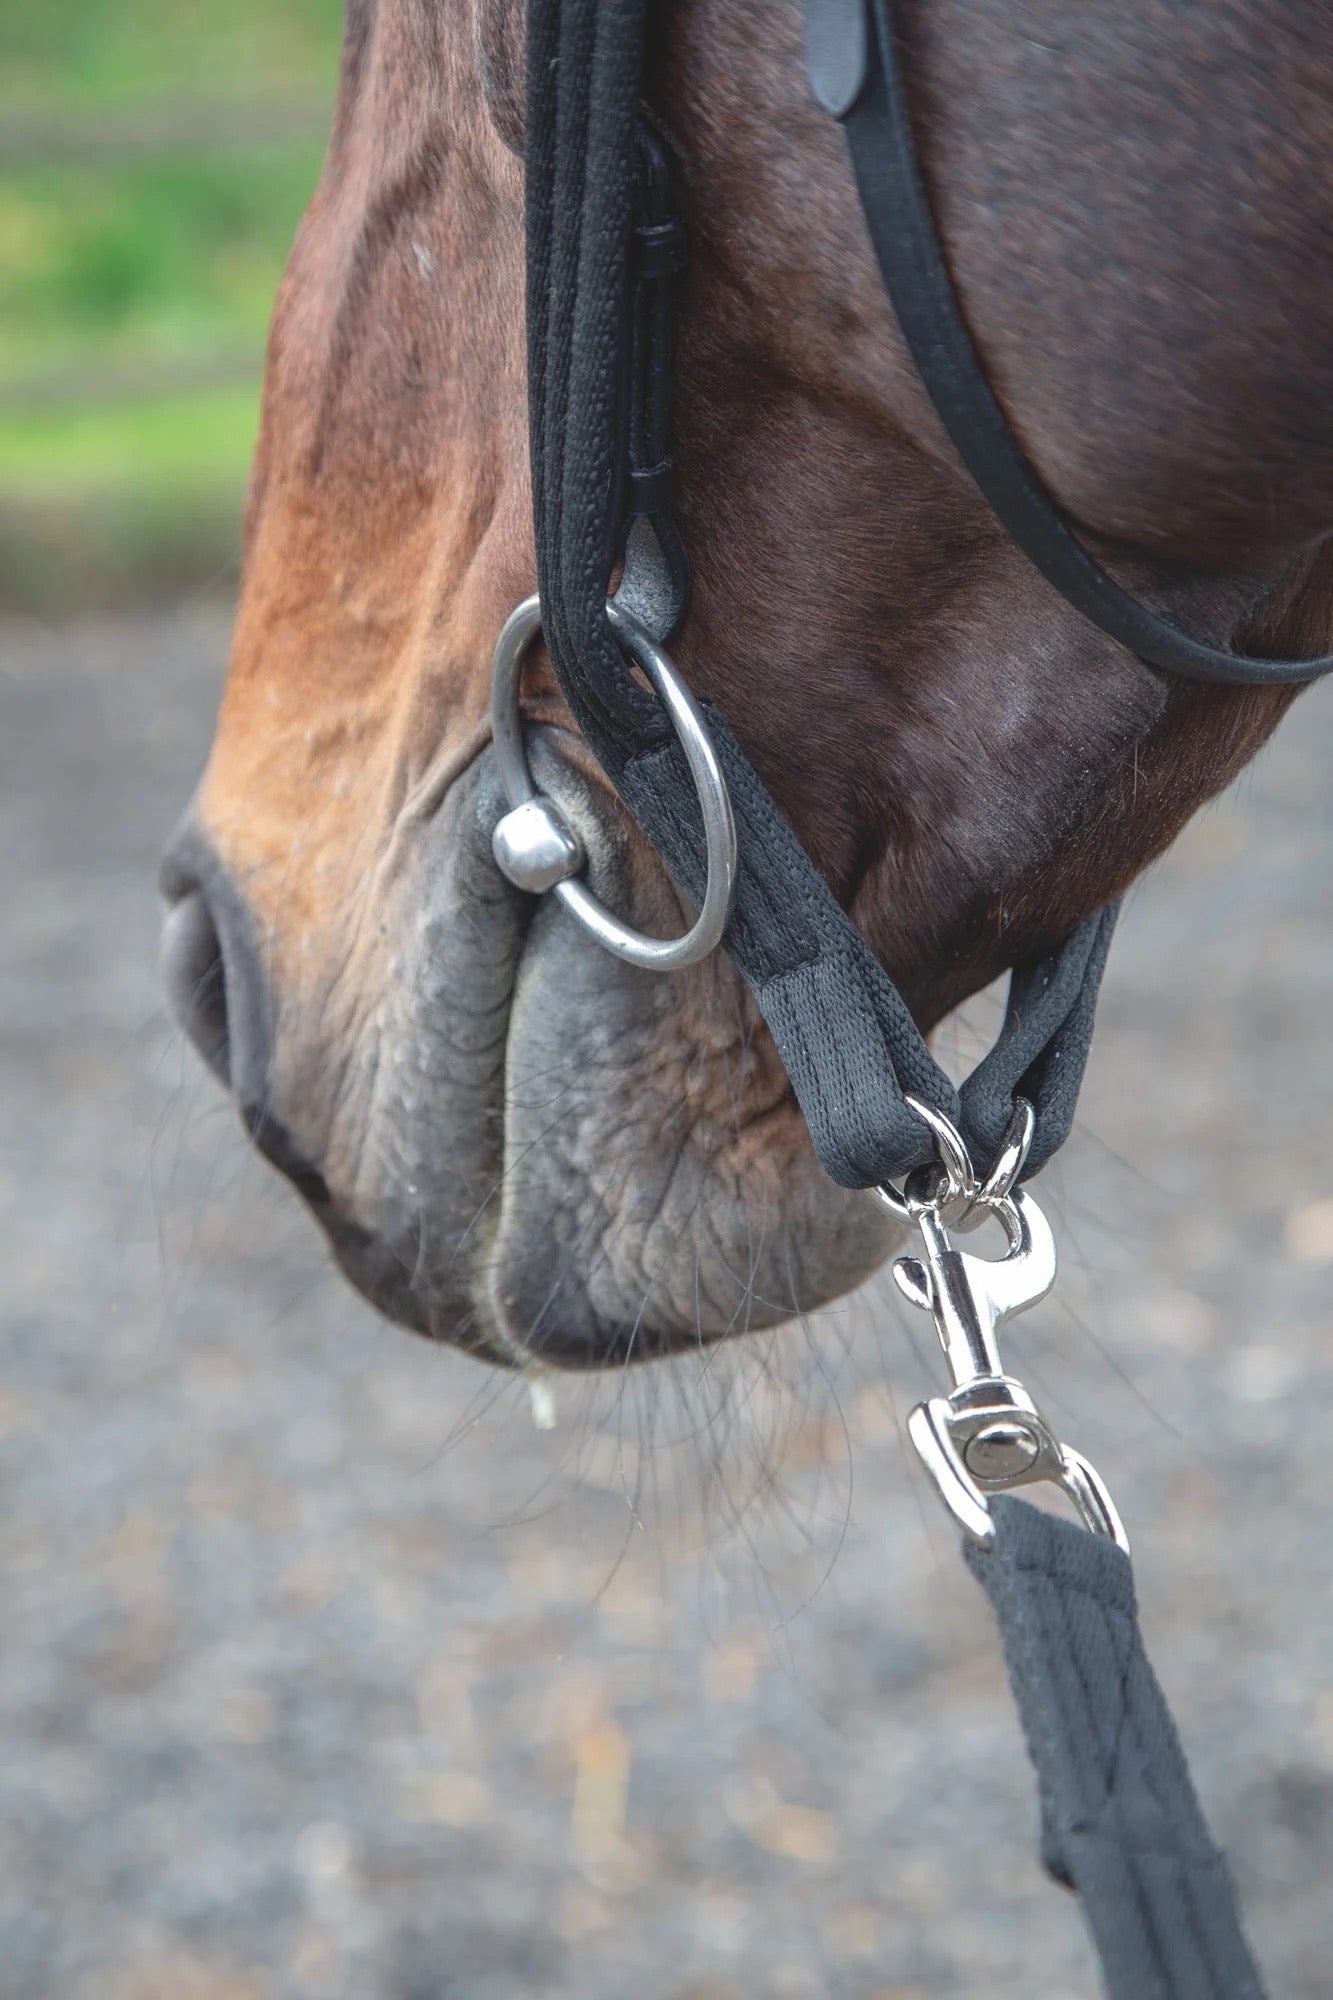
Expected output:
(521, 1146)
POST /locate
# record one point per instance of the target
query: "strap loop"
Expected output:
(835, 52)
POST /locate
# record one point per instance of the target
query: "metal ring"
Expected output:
(1011, 1158)
(953, 1184)
(719, 826)
(952, 1149)
(957, 1189)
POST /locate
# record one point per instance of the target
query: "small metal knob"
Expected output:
(1000, 1451)
(534, 848)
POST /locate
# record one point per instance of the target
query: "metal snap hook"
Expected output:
(987, 1435)
(533, 844)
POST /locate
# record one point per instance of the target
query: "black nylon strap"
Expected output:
(655, 579)
(875, 117)
(1121, 1824)
(843, 1031)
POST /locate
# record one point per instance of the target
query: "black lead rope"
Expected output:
(1121, 1822)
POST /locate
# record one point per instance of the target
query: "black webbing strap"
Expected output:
(856, 74)
(843, 1031)
(655, 581)
(1121, 1824)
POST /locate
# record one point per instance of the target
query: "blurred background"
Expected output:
(154, 158)
(323, 1671)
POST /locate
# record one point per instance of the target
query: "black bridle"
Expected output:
(845, 1035)
(604, 265)
(1120, 1820)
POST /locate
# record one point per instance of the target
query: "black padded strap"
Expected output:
(844, 1032)
(846, 1036)
(654, 584)
(856, 73)
(1121, 1824)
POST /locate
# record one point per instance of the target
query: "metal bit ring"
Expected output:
(537, 850)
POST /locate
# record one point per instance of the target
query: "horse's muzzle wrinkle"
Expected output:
(511, 1141)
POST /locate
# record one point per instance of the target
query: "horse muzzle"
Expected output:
(514, 1141)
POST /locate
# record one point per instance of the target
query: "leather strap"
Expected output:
(856, 73)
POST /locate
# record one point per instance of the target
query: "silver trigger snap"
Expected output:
(986, 1435)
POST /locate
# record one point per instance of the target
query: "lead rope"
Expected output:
(1121, 1823)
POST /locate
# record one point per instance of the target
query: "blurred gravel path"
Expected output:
(325, 1674)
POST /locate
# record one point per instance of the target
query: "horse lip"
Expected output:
(381, 1252)
(275, 1143)
(190, 960)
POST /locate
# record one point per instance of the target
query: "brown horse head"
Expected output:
(513, 1141)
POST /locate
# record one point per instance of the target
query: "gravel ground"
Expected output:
(325, 1673)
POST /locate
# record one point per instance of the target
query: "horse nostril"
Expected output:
(194, 975)
(213, 967)
(215, 981)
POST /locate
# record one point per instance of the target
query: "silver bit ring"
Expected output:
(536, 849)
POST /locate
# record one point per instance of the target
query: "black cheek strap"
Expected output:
(604, 259)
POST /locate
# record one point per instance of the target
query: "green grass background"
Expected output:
(155, 156)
